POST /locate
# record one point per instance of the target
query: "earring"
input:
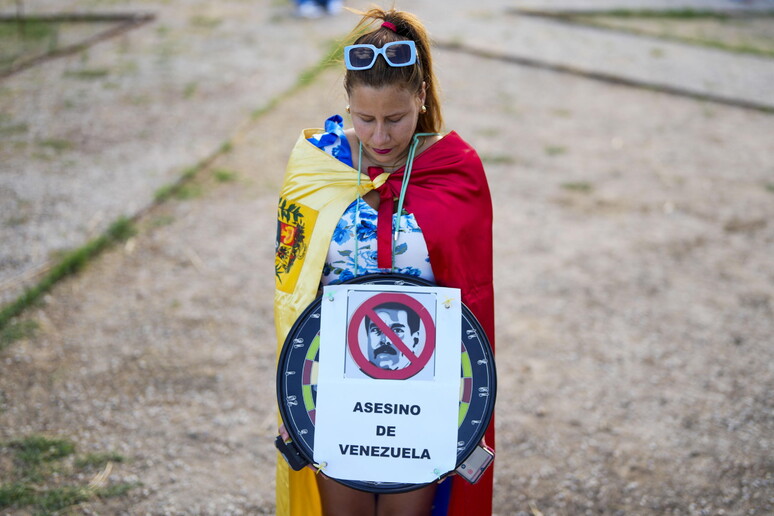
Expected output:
(423, 109)
(347, 108)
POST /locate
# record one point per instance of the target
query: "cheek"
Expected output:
(407, 129)
(362, 130)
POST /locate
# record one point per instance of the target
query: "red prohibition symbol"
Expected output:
(416, 362)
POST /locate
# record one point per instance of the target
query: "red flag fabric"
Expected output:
(449, 195)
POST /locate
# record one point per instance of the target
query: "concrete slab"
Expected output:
(129, 115)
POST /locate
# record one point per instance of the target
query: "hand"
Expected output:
(284, 432)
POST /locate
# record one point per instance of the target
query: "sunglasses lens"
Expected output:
(398, 54)
(361, 57)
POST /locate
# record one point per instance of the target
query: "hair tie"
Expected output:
(390, 26)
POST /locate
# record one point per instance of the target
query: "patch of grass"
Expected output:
(28, 30)
(13, 129)
(497, 159)
(70, 263)
(17, 331)
(770, 187)
(34, 450)
(728, 47)
(17, 220)
(23, 39)
(127, 67)
(97, 460)
(164, 193)
(188, 191)
(674, 14)
(58, 498)
(161, 221)
(259, 112)
(88, 74)
(190, 173)
(226, 147)
(621, 19)
(223, 175)
(204, 22)
(578, 186)
(555, 150)
(190, 90)
(16, 494)
(56, 144)
(180, 191)
(41, 479)
(657, 52)
(115, 490)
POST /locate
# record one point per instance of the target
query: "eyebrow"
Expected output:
(391, 115)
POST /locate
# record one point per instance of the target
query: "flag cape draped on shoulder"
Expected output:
(449, 197)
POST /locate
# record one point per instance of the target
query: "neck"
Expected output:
(400, 161)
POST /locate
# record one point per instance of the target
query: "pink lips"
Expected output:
(382, 151)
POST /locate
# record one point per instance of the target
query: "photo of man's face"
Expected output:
(404, 323)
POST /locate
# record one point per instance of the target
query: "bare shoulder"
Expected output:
(429, 141)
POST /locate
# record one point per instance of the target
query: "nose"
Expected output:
(381, 135)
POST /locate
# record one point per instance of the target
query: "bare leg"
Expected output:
(340, 500)
(414, 503)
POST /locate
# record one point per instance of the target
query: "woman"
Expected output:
(346, 191)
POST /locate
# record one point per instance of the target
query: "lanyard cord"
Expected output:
(403, 187)
(357, 202)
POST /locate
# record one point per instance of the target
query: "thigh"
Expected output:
(414, 503)
(340, 500)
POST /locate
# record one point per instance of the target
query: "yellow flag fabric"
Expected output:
(316, 191)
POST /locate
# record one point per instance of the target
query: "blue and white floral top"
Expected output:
(358, 223)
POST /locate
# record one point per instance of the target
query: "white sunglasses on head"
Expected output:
(396, 53)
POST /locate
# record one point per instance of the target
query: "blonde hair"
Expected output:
(408, 27)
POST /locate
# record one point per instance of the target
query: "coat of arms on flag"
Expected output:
(294, 224)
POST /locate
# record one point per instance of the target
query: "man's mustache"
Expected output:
(385, 349)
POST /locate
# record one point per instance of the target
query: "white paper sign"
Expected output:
(389, 383)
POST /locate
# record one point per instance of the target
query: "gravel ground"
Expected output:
(131, 114)
(635, 300)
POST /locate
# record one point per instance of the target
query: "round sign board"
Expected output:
(297, 382)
